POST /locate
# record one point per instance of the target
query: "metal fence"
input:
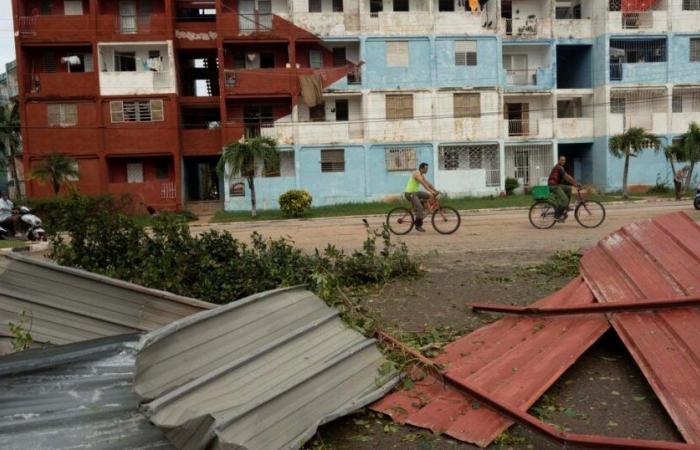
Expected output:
(472, 157)
(529, 163)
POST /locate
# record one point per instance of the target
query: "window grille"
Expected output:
(333, 160)
(465, 53)
(315, 59)
(529, 162)
(632, 51)
(399, 106)
(315, 5)
(472, 157)
(694, 49)
(397, 54)
(691, 5)
(686, 101)
(134, 173)
(62, 114)
(467, 105)
(136, 111)
(400, 159)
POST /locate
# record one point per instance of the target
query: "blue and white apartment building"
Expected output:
(482, 91)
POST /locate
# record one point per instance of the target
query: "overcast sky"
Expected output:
(7, 40)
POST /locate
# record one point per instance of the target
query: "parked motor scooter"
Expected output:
(696, 203)
(29, 226)
(4, 234)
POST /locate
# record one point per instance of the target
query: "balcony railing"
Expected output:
(641, 20)
(522, 127)
(27, 24)
(616, 71)
(64, 83)
(522, 28)
(133, 24)
(521, 77)
(135, 83)
(255, 23)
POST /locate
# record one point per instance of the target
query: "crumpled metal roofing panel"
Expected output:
(259, 373)
(67, 305)
(652, 259)
(516, 359)
(74, 396)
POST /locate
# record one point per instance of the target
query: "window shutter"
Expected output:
(157, 110)
(315, 59)
(407, 107)
(116, 110)
(54, 115)
(314, 5)
(73, 7)
(70, 115)
(130, 111)
(333, 160)
(87, 62)
(694, 49)
(397, 54)
(400, 158)
(465, 53)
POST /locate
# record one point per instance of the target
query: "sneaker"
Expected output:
(420, 228)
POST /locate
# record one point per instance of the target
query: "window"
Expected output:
(375, 7)
(339, 59)
(446, 5)
(267, 60)
(694, 49)
(617, 105)
(136, 111)
(333, 160)
(691, 5)
(337, 5)
(318, 113)
(400, 159)
(239, 61)
(400, 5)
(124, 61)
(134, 173)
(73, 7)
(341, 110)
(465, 53)
(282, 167)
(62, 114)
(75, 166)
(162, 169)
(467, 105)
(315, 59)
(397, 54)
(570, 109)
(399, 106)
(677, 103)
(315, 5)
(48, 62)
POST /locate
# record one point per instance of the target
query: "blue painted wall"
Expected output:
(332, 188)
(381, 182)
(485, 73)
(377, 75)
(645, 169)
(681, 70)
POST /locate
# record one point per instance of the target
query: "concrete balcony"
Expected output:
(257, 26)
(137, 83)
(644, 73)
(526, 28)
(56, 28)
(571, 128)
(398, 22)
(64, 84)
(140, 28)
(249, 81)
(538, 79)
(536, 128)
(656, 123)
(636, 22)
(397, 130)
(330, 132)
(326, 23)
(572, 28)
(282, 131)
(460, 22)
(201, 141)
(160, 194)
(680, 121)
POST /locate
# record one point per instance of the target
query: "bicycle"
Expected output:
(588, 213)
(445, 219)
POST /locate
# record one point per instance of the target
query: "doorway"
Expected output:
(202, 181)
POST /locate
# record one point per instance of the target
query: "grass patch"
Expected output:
(373, 208)
(12, 244)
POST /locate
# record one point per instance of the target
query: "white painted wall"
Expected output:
(537, 56)
(381, 130)
(449, 128)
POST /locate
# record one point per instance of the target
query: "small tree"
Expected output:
(10, 140)
(57, 169)
(241, 158)
(690, 150)
(630, 144)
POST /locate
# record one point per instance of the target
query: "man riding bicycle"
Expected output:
(414, 195)
(560, 183)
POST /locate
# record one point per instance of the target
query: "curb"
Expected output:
(29, 248)
(461, 211)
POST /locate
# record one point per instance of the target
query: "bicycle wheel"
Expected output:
(400, 220)
(590, 214)
(446, 220)
(542, 214)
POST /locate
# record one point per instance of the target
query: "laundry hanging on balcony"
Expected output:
(636, 5)
(311, 89)
(155, 64)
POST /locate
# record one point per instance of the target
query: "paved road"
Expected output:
(484, 231)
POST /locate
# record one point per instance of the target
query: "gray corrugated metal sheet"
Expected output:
(74, 396)
(260, 373)
(68, 305)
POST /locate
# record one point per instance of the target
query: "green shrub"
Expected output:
(661, 187)
(511, 185)
(215, 266)
(295, 202)
(56, 212)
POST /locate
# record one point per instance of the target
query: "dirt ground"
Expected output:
(603, 393)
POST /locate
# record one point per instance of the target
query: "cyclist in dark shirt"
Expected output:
(560, 183)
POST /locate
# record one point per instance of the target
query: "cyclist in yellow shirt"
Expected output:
(414, 195)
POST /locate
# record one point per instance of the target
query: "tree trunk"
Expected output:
(13, 169)
(625, 195)
(56, 186)
(689, 177)
(253, 202)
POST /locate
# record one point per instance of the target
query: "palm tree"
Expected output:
(630, 144)
(56, 169)
(241, 158)
(690, 143)
(10, 140)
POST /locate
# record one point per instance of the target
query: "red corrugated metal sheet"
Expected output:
(516, 359)
(657, 258)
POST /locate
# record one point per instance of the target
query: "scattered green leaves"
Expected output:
(21, 332)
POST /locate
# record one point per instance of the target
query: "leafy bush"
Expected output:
(511, 185)
(215, 266)
(661, 187)
(55, 212)
(295, 202)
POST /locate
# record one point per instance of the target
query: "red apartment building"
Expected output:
(144, 93)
